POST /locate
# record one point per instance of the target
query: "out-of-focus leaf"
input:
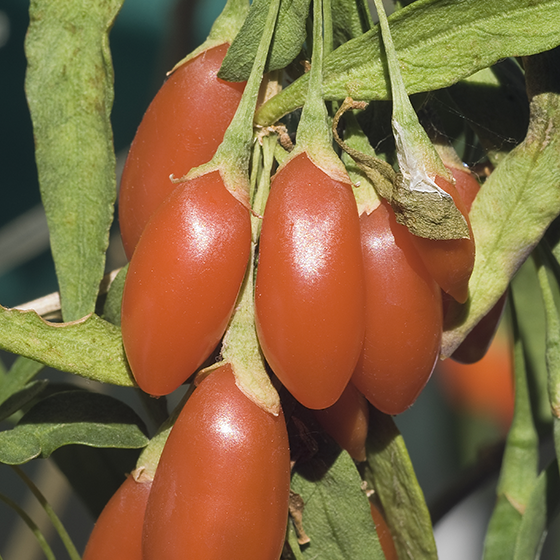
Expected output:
(90, 347)
(289, 35)
(72, 417)
(20, 398)
(519, 466)
(336, 514)
(69, 88)
(540, 511)
(532, 330)
(431, 38)
(514, 208)
(552, 340)
(392, 476)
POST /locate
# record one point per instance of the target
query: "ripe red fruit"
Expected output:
(309, 303)
(222, 484)
(404, 316)
(449, 261)
(118, 531)
(476, 344)
(182, 128)
(183, 281)
(346, 421)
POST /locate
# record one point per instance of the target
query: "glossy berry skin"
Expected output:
(404, 316)
(449, 261)
(118, 531)
(183, 281)
(222, 485)
(309, 294)
(182, 128)
(477, 342)
(346, 421)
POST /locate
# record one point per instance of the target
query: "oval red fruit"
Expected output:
(118, 530)
(222, 484)
(449, 261)
(182, 128)
(404, 316)
(183, 281)
(346, 421)
(309, 294)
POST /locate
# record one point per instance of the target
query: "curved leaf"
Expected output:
(69, 88)
(289, 35)
(391, 474)
(336, 513)
(431, 38)
(542, 508)
(68, 418)
(21, 397)
(91, 347)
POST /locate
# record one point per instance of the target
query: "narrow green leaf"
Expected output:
(552, 341)
(289, 35)
(47, 550)
(552, 336)
(510, 215)
(72, 417)
(540, 511)
(390, 472)
(431, 38)
(519, 466)
(69, 86)
(57, 524)
(502, 532)
(90, 347)
(531, 319)
(112, 306)
(22, 371)
(336, 514)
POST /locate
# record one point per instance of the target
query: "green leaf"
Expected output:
(510, 215)
(519, 466)
(90, 347)
(113, 303)
(22, 371)
(21, 397)
(503, 529)
(431, 38)
(289, 35)
(72, 417)
(350, 19)
(69, 86)
(336, 514)
(390, 472)
(540, 511)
